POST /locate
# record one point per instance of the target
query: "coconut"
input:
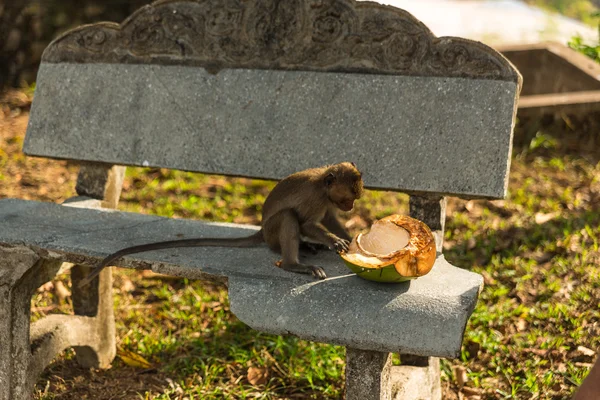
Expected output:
(397, 248)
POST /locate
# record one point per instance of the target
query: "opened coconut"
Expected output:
(396, 249)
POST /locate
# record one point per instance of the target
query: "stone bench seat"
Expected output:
(425, 317)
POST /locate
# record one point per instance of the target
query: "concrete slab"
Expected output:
(407, 133)
(424, 317)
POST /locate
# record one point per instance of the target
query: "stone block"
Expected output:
(409, 133)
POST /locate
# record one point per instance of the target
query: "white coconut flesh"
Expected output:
(383, 240)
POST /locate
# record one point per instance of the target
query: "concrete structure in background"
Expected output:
(556, 79)
(495, 22)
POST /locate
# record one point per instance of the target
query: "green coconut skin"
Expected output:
(386, 274)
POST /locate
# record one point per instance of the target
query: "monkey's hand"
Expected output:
(341, 245)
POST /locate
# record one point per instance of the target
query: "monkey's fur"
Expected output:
(302, 205)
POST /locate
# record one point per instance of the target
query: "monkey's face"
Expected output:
(344, 186)
(345, 203)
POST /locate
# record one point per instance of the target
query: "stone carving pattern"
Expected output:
(320, 35)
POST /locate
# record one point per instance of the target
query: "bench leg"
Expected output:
(21, 273)
(417, 379)
(95, 300)
(26, 349)
(368, 375)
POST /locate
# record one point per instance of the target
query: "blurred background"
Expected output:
(27, 26)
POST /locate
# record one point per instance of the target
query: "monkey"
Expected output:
(303, 204)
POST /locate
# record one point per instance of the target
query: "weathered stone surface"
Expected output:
(419, 134)
(368, 375)
(426, 316)
(327, 35)
(417, 382)
(102, 182)
(18, 370)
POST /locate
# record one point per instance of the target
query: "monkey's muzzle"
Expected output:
(346, 205)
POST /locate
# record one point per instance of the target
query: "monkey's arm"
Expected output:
(333, 224)
(318, 232)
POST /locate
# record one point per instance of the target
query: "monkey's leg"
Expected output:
(285, 224)
(319, 233)
(333, 224)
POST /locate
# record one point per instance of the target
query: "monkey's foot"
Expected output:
(317, 272)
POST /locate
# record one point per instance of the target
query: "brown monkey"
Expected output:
(302, 205)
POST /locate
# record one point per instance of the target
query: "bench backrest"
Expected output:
(265, 88)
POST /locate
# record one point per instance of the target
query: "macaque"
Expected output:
(303, 205)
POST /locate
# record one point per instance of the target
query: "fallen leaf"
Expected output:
(61, 291)
(46, 287)
(257, 376)
(585, 351)
(488, 280)
(472, 393)
(460, 374)
(471, 243)
(127, 286)
(541, 218)
(133, 359)
(521, 325)
(583, 365)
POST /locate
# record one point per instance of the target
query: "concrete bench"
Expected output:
(258, 89)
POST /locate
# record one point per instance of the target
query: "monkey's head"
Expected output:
(344, 184)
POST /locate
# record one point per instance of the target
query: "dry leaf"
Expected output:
(585, 351)
(541, 218)
(521, 325)
(471, 391)
(471, 243)
(460, 374)
(127, 286)
(132, 359)
(46, 287)
(61, 291)
(257, 376)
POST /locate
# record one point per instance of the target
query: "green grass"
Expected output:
(538, 251)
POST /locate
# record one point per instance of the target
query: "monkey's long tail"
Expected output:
(247, 241)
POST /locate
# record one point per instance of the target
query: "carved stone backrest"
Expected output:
(262, 88)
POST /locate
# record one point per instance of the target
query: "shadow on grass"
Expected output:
(521, 241)
(210, 365)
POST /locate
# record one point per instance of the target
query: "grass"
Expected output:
(534, 333)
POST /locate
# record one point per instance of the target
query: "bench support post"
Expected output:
(25, 272)
(102, 182)
(368, 375)
(95, 301)
(418, 378)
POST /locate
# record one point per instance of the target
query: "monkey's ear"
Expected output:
(329, 179)
(352, 162)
